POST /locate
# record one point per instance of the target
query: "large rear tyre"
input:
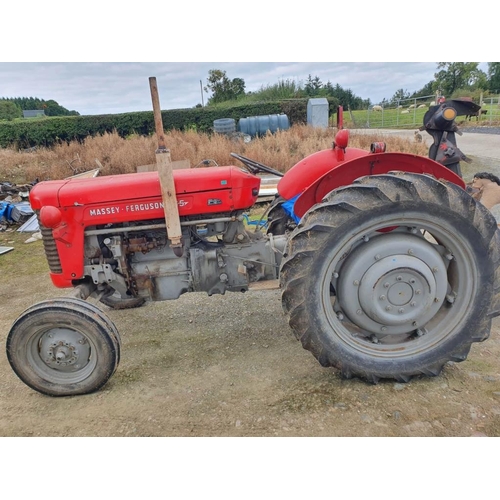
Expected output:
(392, 277)
(63, 347)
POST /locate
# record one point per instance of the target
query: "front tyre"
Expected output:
(63, 347)
(392, 277)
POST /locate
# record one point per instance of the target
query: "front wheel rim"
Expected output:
(61, 355)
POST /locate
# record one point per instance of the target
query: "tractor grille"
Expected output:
(50, 248)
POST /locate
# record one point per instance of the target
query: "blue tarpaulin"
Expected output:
(6, 211)
(14, 212)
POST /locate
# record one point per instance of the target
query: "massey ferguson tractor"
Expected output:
(388, 268)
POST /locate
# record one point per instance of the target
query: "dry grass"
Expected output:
(118, 156)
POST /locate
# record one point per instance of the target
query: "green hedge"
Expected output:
(51, 130)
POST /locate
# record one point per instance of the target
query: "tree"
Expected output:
(400, 95)
(9, 110)
(222, 88)
(51, 107)
(494, 77)
(427, 90)
(460, 75)
(313, 86)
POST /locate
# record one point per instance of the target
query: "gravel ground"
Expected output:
(480, 144)
(481, 130)
(230, 366)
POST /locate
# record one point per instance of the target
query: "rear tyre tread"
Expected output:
(339, 210)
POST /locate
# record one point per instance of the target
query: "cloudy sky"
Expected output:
(120, 87)
(84, 58)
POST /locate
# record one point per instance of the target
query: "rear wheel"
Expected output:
(63, 347)
(392, 277)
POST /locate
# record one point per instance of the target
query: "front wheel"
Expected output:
(392, 277)
(63, 347)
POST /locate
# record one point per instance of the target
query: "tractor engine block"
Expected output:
(218, 256)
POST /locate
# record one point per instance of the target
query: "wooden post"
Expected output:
(166, 176)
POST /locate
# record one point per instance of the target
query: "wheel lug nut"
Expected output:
(418, 292)
(413, 304)
(388, 308)
(434, 269)
(377, 257)
(401, 310)
(399, 278)
(386, 285)
(355, 282)
(412, 281)
(382, 297)
(340, 316)
(410, 251)
(384, 329)
(436, 300)
(359, 312)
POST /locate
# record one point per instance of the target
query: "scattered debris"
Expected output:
(15, 192)
(14, 213)
(34, 237)
(30, 225)
(5, 250)
(86, 175)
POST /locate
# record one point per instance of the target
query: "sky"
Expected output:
(120, 87)
(98, 60)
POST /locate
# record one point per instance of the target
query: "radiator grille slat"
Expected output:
(49, 245)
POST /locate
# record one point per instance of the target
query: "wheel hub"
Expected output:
(392, 284)
(64, 350)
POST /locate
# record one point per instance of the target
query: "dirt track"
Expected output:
(229, 366)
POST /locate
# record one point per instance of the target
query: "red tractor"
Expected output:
(388, 268)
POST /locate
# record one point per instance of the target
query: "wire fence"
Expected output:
(490, 110)
(408, 113)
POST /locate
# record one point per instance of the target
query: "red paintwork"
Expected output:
(342, 138)
(233, 184)
(50, 216)
(308, 170)
(84, 203)
(370, 164)
(132, 197)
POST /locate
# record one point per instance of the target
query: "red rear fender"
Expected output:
(314, 166)
(370, 164)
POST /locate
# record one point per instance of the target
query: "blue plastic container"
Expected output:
(259, 125)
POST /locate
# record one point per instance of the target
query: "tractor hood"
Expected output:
(116, 188)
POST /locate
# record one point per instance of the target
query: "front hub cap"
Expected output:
(392, 284)
(64, 350)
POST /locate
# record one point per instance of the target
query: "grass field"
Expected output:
(392, 117)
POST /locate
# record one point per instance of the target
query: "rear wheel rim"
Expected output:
(449, 280)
